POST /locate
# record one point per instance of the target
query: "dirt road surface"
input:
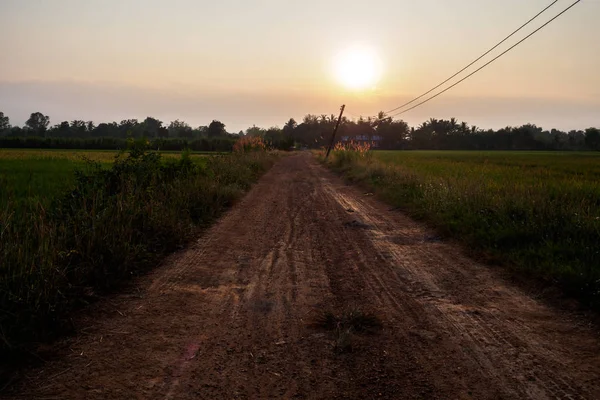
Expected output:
(232, 316)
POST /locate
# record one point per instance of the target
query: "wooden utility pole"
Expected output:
(337, 125)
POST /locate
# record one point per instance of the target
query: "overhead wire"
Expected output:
(486, 64)
(476, 60)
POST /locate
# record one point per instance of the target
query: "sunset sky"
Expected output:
(264, 61)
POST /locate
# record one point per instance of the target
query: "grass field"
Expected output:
(70, 228)
(31, 177)
(80, 155)
(538, 212)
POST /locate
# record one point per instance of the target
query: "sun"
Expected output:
(357, 67)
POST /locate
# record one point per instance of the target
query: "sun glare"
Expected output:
(357, 67)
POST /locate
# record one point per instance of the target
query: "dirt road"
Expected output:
(232, 316)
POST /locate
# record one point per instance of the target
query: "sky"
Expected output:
(260, 62)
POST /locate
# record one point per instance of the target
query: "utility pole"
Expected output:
(337, 125)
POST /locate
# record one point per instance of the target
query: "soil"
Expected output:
(234, 315)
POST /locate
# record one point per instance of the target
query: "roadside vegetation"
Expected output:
(72, 229)
(538, 212)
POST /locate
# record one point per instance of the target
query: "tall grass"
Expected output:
(249, 143)
(112, 223)
(537, 212)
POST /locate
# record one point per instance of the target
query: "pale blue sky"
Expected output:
(261, 62)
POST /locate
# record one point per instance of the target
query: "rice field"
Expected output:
(80, 155)
(537, 212)
(31, 177)
(503, 168)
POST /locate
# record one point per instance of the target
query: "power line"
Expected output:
(486, 64)
(479, 58)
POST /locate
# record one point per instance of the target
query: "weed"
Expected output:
(343, 341)
(352, 321)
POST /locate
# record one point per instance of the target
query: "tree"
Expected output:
(202, 130)
(151, 127)
(79, 128)
(179, 128)
(163, 132)
(38, 122)
(392, 134)
(127, 128)
(289, 126)
(61, 130)
(110, 129)
(592, 138)
(255, 131)
(216, 128)
(4, 122)
(288, 132)
(576, 139)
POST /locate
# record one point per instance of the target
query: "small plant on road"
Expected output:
(351, 321)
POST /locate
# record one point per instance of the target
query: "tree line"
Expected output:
(438, 134)
(79, 134)
(314, 131)
(38, 125)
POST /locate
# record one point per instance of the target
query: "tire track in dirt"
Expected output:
(230, 317)
(486, 327)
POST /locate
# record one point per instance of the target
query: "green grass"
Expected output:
(96, 155)
(34, 177)
(71, 229)
(537, 212)
(26, 182)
